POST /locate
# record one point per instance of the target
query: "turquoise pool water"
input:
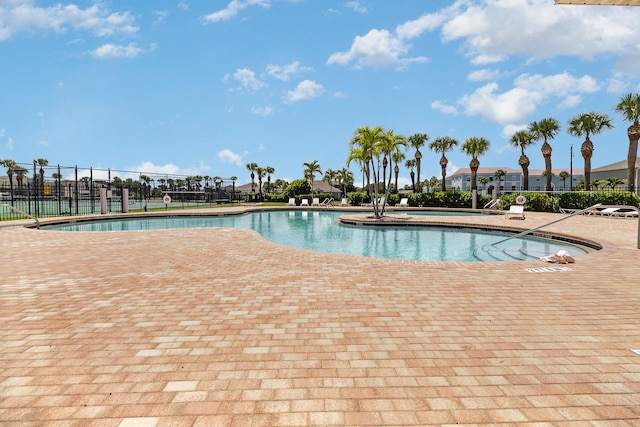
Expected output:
(320, 231)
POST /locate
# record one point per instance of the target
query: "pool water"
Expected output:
(320, 231)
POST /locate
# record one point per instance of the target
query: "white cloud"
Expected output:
(184, 6)
(492, 30)
(306, 89)
(522, 100)
(444, 108)
(111, 51)
(485, 74)
(356, 6)
(285, 72)
(509, 130)
(248, 79)
(233, 8)
(2, 132)
(262, 111)
(24, 15)
(161, 16)
(228, 156)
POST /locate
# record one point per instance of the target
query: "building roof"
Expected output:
(466, 171)
(615, 166)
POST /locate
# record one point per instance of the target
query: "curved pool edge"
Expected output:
(462, 222)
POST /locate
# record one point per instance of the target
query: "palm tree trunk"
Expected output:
(524, 164)
(634, 135)
(474, 165)
(443, 166)
(587, 152)
(546, 152)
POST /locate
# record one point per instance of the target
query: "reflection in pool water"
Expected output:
(319, 231)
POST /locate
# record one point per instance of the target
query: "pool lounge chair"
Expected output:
(404, 202)
(515, 212)
(344, 202)
(304, 202)
(608, 211)
(292, 201)
(315, 201)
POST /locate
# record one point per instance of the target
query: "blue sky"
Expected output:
(194, 87)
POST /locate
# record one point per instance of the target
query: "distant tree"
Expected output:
(585, 125)
(629, 107)
(410, 164)
(546, 129)
(416, 141)
(563, 176)
(522, 139)
(614, 182)
(251, 167)
(475, 147)
(397, 158)
(310, 171)
(499, 174)
(442, 145)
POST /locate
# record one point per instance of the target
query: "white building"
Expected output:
(513, 180)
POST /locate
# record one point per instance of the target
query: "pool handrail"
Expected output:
(23, 213)
(553, 222)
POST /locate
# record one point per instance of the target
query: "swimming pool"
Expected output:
(320, 231)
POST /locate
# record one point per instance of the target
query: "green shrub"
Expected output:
(584, 199)
(356, 198)
(538, 202)
(297, 187)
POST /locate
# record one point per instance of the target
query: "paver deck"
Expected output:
(219, 327)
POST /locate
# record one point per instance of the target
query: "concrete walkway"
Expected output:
(218, 327)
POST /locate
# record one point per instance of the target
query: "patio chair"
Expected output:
(609, 211)
(344, 202)
(315, 201)
(515, 212)
(304, 202)
(292, 201)
(404, 202)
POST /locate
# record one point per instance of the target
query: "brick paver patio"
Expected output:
(218, 327)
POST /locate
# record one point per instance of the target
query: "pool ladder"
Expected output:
(23, 213)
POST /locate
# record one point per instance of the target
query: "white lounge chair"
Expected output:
(344, 202)
(315, 201)
(292, 201)
(304, 202)
(609, 211)
(404, 202)
(515, 212)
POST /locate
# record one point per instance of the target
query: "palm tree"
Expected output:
(475, 147)
(251, 167)
(629, 108)
(499, 174)
(11, 166)
(410, 164)
(613, 182)
(390, 145)
(563, 176)
(364, 148)
(397, 158)
(310, 170)
(260, 173)
(270, 170)
(233, 185)
(345, 178)
(522, 139)
(416, 141)
(484, 180)
(442, 144)
(330, 176)
(588, 124)
(546, 129)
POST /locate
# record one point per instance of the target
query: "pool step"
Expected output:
(493, 253)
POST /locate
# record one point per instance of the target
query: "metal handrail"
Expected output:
(515, 236)
(599, 205)
(23, 213)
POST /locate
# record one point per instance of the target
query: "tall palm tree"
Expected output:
(260, 173)
(629, 107)
(522, 139)
(251, 167)
(365, 147)
(563, 176)
(310, 170)
(499, 174)
(389, 145)
(397, 158)
(410, 164)
(345, 178)
(270, 170)
(475, 147)
(11, 167)
(484, 180)
(330, 176)
(416, 141)
(546, 129)
(233, 185)
(588, 124)
(442, 144)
